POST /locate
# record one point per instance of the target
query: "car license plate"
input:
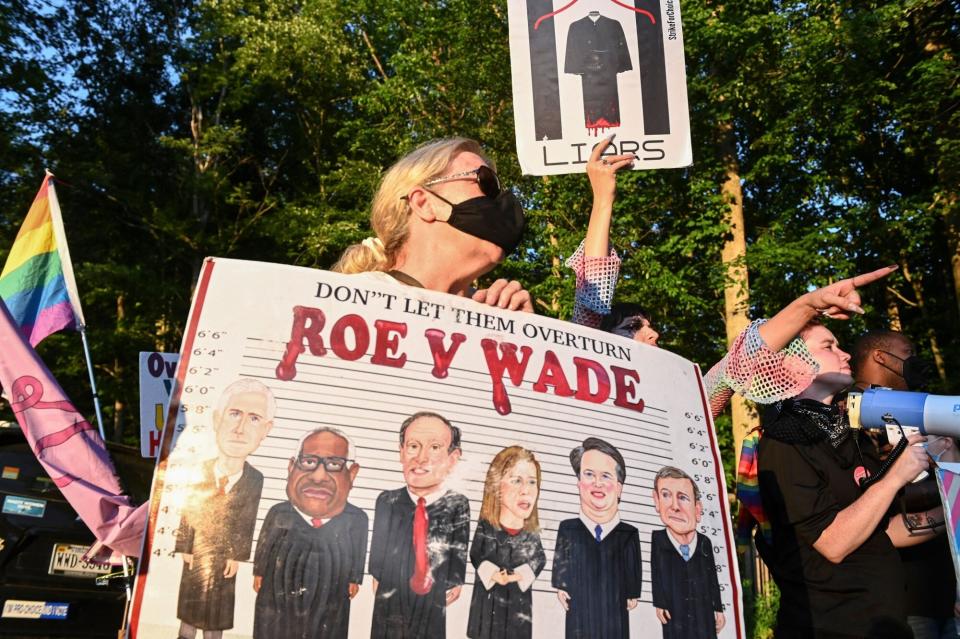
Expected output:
(17, 609)
(67, 559)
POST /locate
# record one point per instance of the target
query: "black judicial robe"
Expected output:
(215, 528)
(688, 589)
(599, 577)
(398, 612)
(307, 572)
(503, 612)
(597, 52)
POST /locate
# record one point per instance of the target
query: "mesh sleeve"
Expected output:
(596, 282)
(758, 373)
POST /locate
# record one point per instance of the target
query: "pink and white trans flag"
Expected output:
(68, 447)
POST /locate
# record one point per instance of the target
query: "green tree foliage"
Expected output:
(259, 129)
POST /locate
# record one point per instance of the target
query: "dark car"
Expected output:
(46, 589)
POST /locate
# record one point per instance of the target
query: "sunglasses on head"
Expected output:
(487, 180)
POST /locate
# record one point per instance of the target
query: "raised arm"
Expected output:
(767, 362)
(595, 264)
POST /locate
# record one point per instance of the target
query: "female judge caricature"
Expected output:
(506, 550)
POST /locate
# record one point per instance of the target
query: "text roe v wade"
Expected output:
(593, 382)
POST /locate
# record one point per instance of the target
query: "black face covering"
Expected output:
(915, 371)
(499, 220)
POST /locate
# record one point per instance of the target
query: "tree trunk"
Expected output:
(118, 373)
(554, 305)
(952, 237)
(736, 292)
(917, 285)
(893, 311)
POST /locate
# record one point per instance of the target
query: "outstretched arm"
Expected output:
(836, 301)
(766, 363)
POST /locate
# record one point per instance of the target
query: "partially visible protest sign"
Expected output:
(588, 68)
(156, 383)
(367, 459)
(948, 481)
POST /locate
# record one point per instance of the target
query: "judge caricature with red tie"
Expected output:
(418, 554)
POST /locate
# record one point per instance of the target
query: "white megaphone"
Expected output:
(928, 414)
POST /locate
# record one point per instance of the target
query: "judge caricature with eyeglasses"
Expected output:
(311, 549)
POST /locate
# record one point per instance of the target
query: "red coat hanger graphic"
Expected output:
(573, 2)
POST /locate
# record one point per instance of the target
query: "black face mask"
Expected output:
(915, 371)
(499, 220)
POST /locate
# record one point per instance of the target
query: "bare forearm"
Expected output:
(597, 243)
(901, 536)
(855, 523)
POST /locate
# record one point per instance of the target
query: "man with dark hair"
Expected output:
(216, 529)
(683, 574)
(888, 359)
(418, 554)
(309, 561)
(596, 562)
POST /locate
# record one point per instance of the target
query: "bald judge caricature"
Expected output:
(418, 554)
(309, 561)
(596, 562)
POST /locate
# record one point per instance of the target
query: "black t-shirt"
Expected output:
(803, 488)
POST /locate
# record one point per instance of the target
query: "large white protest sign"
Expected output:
(588, 68)
(267, 523)
(156, 384)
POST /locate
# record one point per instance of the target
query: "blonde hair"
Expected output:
(501, 465)
(389, 211)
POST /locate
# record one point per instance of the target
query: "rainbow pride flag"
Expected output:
(37, 282)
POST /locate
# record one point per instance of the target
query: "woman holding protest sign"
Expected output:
(441, 220)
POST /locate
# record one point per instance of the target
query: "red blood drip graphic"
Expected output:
(601, 126)
(501, 401)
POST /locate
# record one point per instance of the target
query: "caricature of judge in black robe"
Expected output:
(507, 555)
(597, 51)
(686, 591)
(596, 562)
(419, 569)
(310, 552)
(689, 589)
(216, 528)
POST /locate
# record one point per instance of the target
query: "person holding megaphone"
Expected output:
(833, 524)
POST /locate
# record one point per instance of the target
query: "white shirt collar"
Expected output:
(231, 479)
(605, 529)
(676, 544)
(432, 497)
(307, 518)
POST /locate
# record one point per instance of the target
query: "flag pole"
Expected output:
(93, 382)
(71, 284)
